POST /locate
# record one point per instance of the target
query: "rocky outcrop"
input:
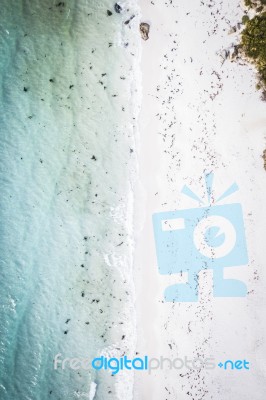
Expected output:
(144, 30)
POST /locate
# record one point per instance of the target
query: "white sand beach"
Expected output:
(199, 114)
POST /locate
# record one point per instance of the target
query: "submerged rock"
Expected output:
(118, 8)
(130, 19)
(144, 30)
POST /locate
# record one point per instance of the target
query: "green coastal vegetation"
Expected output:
(253, 39)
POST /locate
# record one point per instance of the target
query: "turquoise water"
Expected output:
(67, 153)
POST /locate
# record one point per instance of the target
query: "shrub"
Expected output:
(253, 44)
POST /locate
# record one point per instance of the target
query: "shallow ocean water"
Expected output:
(69, 102)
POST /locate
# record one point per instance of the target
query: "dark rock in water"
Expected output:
(109, 13)
(130, 19)
(118, 8)
(144, 30)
